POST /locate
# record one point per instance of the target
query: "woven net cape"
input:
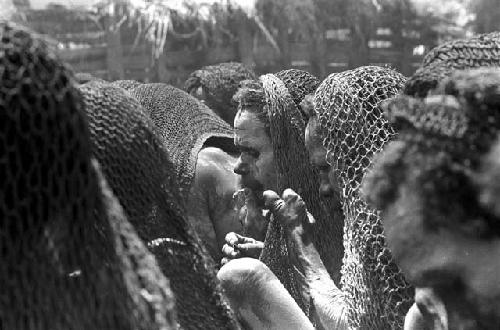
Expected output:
(480, 51)
(219, 83)
(70, 258)
(185, 125)
(287, 128)
(440, 144)
(460, 123)
(375, 291)
(139, 172)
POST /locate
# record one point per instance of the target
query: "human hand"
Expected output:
(250, 214)
(290, 211)
(238, 246)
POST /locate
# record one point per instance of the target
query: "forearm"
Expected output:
(326, 296)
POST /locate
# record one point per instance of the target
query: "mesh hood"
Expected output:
(299, 83)
(126, 84)
(184, 125)
(144, 181)
(70, 259)
(480, 51)
(287, 128)
(377, 295)
(219, 83)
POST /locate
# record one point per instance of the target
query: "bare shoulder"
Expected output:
(214, 169)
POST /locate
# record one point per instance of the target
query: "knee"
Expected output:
(241, 277)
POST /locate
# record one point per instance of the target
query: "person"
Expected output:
(143, 178)
(434, 185)
(200, 146)
(269, 130)
(70, 257)
(373, 293)
(216, 84)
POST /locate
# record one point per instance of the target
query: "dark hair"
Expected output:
(251, 97)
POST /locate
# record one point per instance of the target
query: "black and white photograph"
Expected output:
(249, 164)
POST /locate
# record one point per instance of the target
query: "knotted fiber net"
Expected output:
(479, 51)
(287, 126)
(439, 150)
(347, 105)
(219, 83)
(143, 178)
(185, 125)
(70, 258)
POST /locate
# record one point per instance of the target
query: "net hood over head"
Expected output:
(144, 180)
(479, 51)
(70, 259)
(184, 125)
(439, 154)
(347, 105)
(219, 83)
(287, 129)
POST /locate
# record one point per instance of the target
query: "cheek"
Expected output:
(265, 164)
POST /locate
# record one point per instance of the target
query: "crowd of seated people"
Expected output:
(367, 200)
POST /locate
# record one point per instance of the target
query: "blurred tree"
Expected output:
(487, 15)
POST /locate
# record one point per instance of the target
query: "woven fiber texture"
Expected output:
(70, 259)
(184, 125)
(287, 128)
(347, 105)
(480, 51)
(438, 154)
(219, 83)
(444, 136)
(144, 180)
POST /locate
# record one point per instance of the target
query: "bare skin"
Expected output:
(258, 285)
(256, 169)
(210, 206)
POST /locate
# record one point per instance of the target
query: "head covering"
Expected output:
(347, 105)
(449, 132)
(70, 259)
(480, 51)
(126, 84)
(143, 178)
(219, 83)
(185, 125)
(441, 143)
(287, 128)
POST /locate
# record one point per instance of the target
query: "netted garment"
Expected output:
(441, 142)
(184, 125)
(143, 178)
(480, 51)
(299, 83)
(219, 83)
(126, 84)
(294, 171)
(70, 259)
(450, 133)
(347, 105)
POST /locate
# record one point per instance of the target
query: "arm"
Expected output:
(326, 296)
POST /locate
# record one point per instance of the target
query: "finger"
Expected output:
(250, 246)
(290, 196)
(231, 238)
(272, 200)
(310, 219)
(230, 252)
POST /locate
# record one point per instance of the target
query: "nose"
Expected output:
(241, 167)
